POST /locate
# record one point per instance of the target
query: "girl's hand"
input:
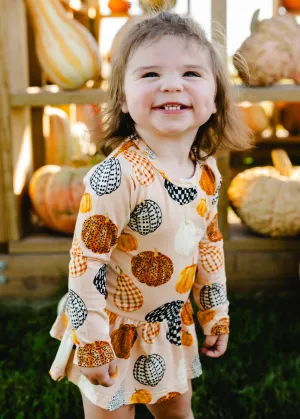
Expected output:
(100, 375)
(214, 346)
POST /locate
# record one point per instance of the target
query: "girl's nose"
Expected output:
(171, 84)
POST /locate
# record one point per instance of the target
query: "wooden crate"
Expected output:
(34, 263)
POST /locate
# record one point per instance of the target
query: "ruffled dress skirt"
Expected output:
(149, 368)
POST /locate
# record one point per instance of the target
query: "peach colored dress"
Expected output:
(142, 243)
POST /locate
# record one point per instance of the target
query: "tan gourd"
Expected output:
(66, 50)
(254, 116)
(267, 199)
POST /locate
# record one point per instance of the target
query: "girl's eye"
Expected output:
(191, 74)
(150, 74)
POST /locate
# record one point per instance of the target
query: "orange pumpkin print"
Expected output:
(186, 338)
(123, 339)
(99, 234)
(213, 231)
(168, 396)
(152, 268)
(112, 316)
(127, 296)
(94, 354)
(211, 257)
(207, 181)
(221, 327)
(78, 262)
(127, 242)
(150, 331)
(187, 313)
(142, 168)
(186, 279)
(124, 147)
(86, 203)
(205, 317)
(202, 207)
(141, 396)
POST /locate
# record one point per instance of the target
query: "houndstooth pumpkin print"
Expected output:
(100, 280)
(76, 309)
(196, 367)
(216, 194)
(117, 400)
(171, 313)
(149, 370)
(146, 217)
(212, 296)
(181, 195)
(106, 177)
(211, 257)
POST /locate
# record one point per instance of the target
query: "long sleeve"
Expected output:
(104, 212)
(209, 289)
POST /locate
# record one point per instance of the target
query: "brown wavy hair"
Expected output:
(225, 129)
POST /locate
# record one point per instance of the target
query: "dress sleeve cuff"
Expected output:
(94, 354)
(213, 325)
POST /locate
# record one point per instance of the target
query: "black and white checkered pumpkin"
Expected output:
(146, 217)
(216, 194)
(76, 309)
(169, 312)
(212, 296)
(117, 400)
(106, 177)
(149, 370)
(100, 280)
(181, 195)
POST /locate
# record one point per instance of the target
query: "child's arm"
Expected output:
(209, 289)
(104, 212)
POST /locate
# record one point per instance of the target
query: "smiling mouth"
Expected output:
(172, 107)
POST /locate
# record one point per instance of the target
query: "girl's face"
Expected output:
(169, 87)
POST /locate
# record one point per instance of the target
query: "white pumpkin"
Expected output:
(186, 239)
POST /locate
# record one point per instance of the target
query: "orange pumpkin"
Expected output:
(168, 396)
(187, 313)
(205, 317)
(127, 242)
(47, 185)
(186, 338)
(150, 331)
(201, 207)
(86, 203)
(152, 268)
(291, 5)
(141, 396)
(112, 316)
(213, 231)
(186, 279)
(123, 340)
(127, 296)
(99, 233)
(207, 181)
(142, 168)
(119, 6)
(221, 327)
(95, 354)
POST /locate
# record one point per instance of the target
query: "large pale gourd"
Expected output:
(66, 50)
(267, 198)
(271, 52)
(55, 193)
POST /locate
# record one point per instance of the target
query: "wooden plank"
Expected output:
(277, 93)
(40, 244)
(37, 96)
(219, 20)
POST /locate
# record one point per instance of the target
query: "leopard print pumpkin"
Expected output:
(99, 234)
(221, 327)
(213, 231)
(95, 354)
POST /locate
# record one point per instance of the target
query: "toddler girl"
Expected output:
(147, 229)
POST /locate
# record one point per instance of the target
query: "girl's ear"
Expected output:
(124, 106)
(214, 108)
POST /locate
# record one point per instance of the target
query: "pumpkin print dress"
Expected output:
(142, 243)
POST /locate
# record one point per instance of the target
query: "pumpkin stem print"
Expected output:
(127, 296)
(99, 234)
(152, 268)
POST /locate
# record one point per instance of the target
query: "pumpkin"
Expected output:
(141, 396)
(127, 296)
(168, 397)
(211, 257)
(291, 5)
(271, 52)
(123, 339)
(221, 327)
(119, 6)
(187, 313)
(289, 115)
(86, 203)
(58, 136)
(106, 177)
(76, 309)
(157, 5)
(186, 279)
(267, 198)
(207, 181)
(202, 207)
(47, 187)
(212, 231)
(186, 239)
(254, 116)
(142, 168)
(99, 233)
(149, 370)
(66, 50)
(112, 316)
(127, 242)
(78, 262)
(146, 217)
(179, 194)
(205, 317)
(213, 295)
(152, 268)
(150, 331)
(186, 338)
(100, 280)
(94, 354)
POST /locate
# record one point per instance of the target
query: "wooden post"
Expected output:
(218, 18)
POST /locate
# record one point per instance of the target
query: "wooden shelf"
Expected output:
(37, 97)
